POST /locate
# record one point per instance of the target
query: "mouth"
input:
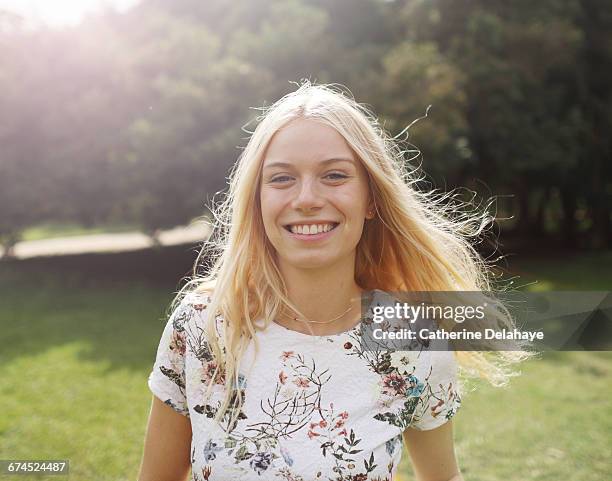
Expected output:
(308, 230)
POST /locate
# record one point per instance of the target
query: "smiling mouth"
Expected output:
(333, 226)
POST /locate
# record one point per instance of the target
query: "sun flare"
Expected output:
(59, 13)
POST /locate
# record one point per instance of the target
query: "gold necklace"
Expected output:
(323, 322)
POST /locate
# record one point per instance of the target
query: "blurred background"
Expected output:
(120, 121)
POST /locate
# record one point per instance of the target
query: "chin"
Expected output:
(311, 262)
(307, 263)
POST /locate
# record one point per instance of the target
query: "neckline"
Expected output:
(315, 336)
(355, 328)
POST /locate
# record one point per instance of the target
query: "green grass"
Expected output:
(53, 230)
(75, 362)
(553, 421)
(66, 229)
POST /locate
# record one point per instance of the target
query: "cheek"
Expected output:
(352, 202)
(270, 207)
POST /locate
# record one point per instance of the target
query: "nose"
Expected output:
(308, 197)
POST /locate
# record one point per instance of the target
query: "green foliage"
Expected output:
(136, 117)
(415, 76)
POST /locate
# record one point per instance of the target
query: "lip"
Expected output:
(310, 222)
(312, 237)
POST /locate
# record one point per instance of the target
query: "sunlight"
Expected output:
(60, 13)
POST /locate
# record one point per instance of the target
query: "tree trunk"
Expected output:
(600, 208)
(538, 224)
(523, 225)
(568, 203)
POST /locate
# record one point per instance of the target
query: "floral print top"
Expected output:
(314, 407)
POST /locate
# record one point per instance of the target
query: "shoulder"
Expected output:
(192, 316)
(190, 305)
(196, 299)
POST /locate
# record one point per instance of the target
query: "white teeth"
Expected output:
(310, 229)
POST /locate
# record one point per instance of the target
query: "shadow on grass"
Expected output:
(114, 304)
(562, 270)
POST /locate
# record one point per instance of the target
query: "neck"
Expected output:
(321, 295)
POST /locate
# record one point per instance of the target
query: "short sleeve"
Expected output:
(167, 379)
(441, 397)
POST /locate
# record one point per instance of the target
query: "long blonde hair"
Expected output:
(418, 241)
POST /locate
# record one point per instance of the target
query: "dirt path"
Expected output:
(126, 241)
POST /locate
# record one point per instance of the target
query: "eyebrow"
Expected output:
(324, 162)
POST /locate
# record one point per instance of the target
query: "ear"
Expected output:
(371, 210)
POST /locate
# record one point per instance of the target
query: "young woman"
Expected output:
(260, 372)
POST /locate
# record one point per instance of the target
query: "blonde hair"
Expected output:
(418, 241)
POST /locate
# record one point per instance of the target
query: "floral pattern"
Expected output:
(322, 408)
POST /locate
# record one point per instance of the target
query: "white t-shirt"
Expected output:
(315, 407)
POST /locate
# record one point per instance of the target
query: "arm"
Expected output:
(167, 445)
(432, 453)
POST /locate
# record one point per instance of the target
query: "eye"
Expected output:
(280, 178)
(336, 176)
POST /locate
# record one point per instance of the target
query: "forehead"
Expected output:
(307, 140)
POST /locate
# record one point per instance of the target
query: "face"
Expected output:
(314, 196)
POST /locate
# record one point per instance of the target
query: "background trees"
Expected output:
(137, 117)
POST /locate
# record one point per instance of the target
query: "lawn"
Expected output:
(75, 364)
(75, 361)
(53, 230)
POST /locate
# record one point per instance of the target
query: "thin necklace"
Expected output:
(323, 322)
